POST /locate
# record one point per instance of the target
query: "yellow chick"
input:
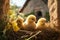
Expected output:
(15, 27)
(30, 24)
(47, 24)
(41, 24)
(20, 21)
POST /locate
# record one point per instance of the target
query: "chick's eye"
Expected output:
(32, 19)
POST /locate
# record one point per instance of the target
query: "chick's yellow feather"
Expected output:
(30, 22)
(20, 21)
(15, 27)
(41, 24)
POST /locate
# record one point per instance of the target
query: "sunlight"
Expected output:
(17, 2)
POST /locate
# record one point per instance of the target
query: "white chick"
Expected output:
(30, 24)
(41, 24)
(20, 21)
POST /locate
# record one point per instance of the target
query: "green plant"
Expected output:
(3, 23)
(47, 16)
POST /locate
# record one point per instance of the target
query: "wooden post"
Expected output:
(4, 6)
(54, 10)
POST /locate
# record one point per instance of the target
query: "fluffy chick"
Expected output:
(30, 24)
(20, 21)
(41, 24)
(47, 24)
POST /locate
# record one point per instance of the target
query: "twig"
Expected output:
(34, 35)
(27, 32)
(24, 36)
